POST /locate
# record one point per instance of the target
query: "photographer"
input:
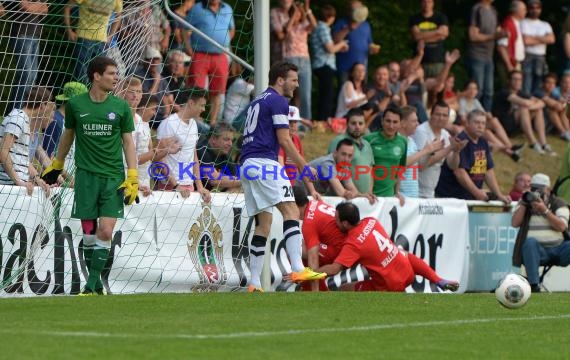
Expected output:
(543, 221)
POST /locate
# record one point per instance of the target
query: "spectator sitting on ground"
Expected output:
(543, 222)
(495, 134)
(409, 185)
(555, 109)
(363, 157)
(465, 180)
(520, 185)
(328, 166)
(15, 160)
(516, 109)
(353, 93)
(219, 172)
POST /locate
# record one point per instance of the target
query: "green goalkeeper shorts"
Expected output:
(96, 196)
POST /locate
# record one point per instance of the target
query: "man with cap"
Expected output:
(543, 221)
(288, 163)
(55, 128)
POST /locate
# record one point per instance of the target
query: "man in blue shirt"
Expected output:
(264, 180)
(215, 19)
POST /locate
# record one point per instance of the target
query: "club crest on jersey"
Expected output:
(111, 116)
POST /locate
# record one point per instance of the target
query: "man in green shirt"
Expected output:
(389, 149)
(101, 125)
(363, 159)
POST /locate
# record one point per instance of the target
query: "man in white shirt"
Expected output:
(427, 133)
(15, 139)
(183, 167)
(536, 35)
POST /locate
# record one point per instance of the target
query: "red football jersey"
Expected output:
(319, 229)
(369, 244)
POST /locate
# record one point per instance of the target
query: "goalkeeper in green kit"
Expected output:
(101, 125)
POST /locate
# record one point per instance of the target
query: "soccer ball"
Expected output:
(513, 291)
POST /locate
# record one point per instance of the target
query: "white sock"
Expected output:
(256, 255)
(293, 243)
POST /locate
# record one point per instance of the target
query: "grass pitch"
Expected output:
(284, 326)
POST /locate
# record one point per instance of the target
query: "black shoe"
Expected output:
(515, 156)
(517, 148)
(534, 288)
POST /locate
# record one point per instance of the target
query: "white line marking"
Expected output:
(287, 332)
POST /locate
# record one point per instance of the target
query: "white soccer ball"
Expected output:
(513, 291)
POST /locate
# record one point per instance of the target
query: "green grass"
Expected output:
(284, 326)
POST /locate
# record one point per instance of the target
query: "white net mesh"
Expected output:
(165, 243)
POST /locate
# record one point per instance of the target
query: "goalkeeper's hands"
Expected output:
(52, 172)
(130, 187)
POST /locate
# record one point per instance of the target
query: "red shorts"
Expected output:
(381, 285)
(211, 67)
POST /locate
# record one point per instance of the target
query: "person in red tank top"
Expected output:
(367, 243)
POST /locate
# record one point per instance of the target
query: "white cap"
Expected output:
(540, 180)
(294, 114)
(152, 53)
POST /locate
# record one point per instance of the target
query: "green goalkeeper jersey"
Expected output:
(98, 133)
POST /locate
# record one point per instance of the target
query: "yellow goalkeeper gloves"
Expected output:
(52, 172)
(130, 187)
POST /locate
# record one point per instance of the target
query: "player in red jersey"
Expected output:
(322, 238)
(367, 243)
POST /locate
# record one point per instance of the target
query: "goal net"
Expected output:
(166, 243)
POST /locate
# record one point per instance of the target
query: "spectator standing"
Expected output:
(565, 45)
(389, 149)
(153, 83)
(160, 33)
(409, 185)
(174, 74)
(54, 130)
(431, 27)
(26, 19)
(427, 133)
(537, 34)
(511, 49)
(182, 127)
(209, 67)
(323, 60)
(286, 161)
(475, 168)
(482, 33)
(363, 156)
(176, 27)
(16, 131)
(543, 223)
(357, 32)
(221, 172)
(238, 96)
(90, 35)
